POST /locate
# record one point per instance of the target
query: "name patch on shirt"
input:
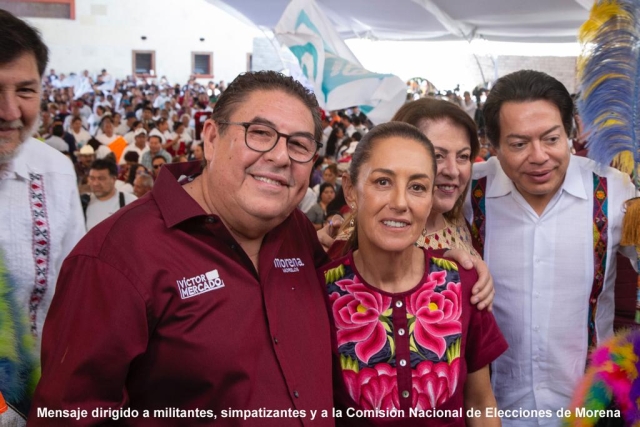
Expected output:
(199, 284)
(288, 265)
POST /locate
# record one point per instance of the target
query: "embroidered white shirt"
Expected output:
(543, 270)
(63, 212)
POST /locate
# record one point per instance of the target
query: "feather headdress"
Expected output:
(609, 104)
(609, 76)
(611, 381)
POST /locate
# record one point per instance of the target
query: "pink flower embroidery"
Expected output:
(437, 313)
(373, 388)
(357, 314)
(434, 383)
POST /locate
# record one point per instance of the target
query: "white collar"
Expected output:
(572, 184)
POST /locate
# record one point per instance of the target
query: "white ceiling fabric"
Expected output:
(542, 21)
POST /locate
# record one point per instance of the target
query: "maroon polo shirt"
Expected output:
(159, 308)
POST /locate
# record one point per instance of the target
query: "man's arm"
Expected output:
(96, 325)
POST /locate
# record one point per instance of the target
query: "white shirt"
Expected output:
(121, 129)
(106, 140)
(469, 108)
(350, 130)
(135, 149)
(63, 216)
(542, 268)
(94, 123)
(129, 137)
(309, 199)
(81, 137)
(57, 143)
(99, 210)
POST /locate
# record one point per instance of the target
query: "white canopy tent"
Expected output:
(542, 21)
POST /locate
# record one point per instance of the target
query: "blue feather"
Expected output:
(610, 81)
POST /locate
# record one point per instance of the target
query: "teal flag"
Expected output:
(335, 74)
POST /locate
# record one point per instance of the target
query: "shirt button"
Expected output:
(233, 247)
(275, 340)
(401, 332)
(405, 394)
(398, 304)
(403, 362)
(535, 358)
(536, 328)
(296, 394)
(211, 220)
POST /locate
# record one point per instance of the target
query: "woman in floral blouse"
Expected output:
(410, 350)
(454, 137)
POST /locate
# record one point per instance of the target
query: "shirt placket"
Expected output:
(539, 308)
(403, 355)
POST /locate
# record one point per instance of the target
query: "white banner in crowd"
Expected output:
(337, 77)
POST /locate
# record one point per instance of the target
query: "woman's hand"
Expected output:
(327, 234)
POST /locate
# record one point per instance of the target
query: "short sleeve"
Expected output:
(484, 340)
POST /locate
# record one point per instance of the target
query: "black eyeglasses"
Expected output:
(262, 138)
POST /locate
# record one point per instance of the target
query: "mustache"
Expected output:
(13, 124)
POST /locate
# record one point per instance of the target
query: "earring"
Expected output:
(352, 222)
(424, 232)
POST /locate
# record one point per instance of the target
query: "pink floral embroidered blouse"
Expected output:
(407, 350)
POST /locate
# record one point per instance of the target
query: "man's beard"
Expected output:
(7, 156)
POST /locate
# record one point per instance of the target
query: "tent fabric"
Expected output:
(541, 21)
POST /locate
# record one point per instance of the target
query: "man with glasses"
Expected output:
(222, 313)
(203, 298)
(157, 162)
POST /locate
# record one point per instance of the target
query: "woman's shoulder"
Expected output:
(454, 272)
(335, 269)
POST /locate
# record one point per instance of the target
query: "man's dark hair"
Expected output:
(158, 156)
(58, 130)
(247, 83)
(103, 164)
(525, 86)
(156, 136)
(131, 156)
(17, 37)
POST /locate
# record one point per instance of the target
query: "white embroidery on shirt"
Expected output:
(288, 265)
(199, 284)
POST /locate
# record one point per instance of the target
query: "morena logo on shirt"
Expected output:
(288, 265)
(199, 284)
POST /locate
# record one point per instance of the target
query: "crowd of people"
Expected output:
(420, 288)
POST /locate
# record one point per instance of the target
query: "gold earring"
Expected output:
(424, 232)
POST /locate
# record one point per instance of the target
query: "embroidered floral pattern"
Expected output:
(434, 383)
(437, 314)
(366, 338)
(357, 315)
(374, 388)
